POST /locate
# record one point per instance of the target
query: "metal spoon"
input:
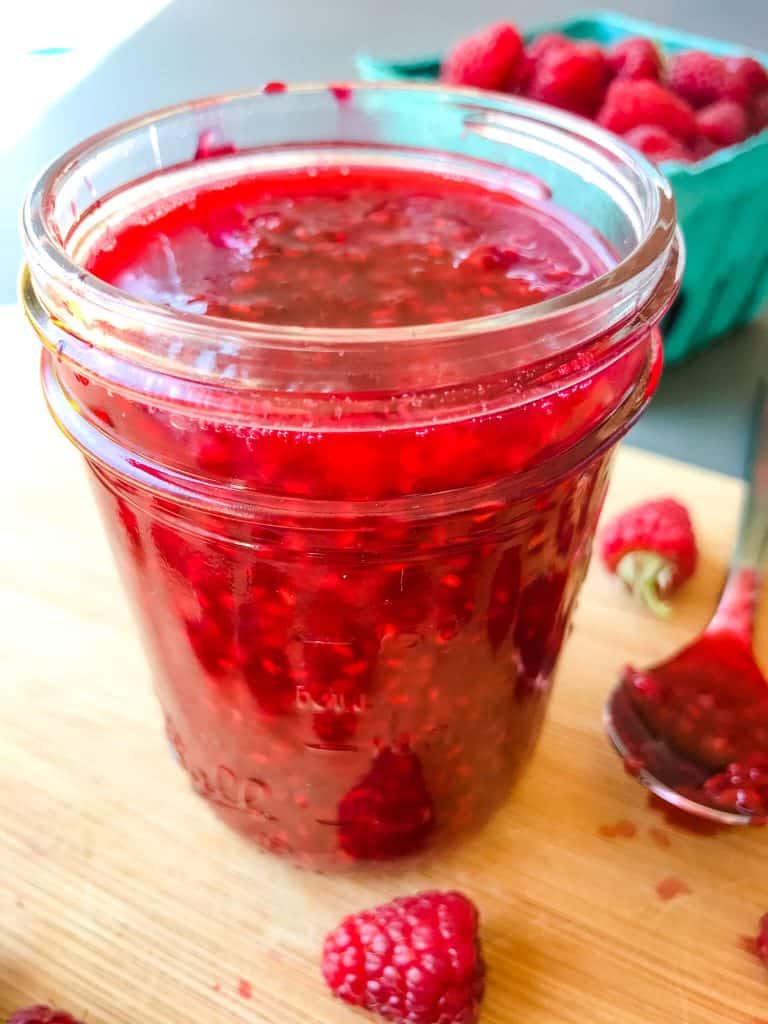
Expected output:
(713, 684)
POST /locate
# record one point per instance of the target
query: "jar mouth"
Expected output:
(56, 286)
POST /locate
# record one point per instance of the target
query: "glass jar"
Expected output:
(353, 553)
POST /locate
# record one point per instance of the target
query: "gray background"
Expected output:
(198, 47)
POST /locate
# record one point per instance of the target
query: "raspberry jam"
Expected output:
(350, 247)
(699, 721)
(353, 516)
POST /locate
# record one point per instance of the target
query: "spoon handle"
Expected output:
(737, 608)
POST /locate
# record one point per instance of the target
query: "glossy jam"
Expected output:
(354, 606)
(699, 721)
(351, 247)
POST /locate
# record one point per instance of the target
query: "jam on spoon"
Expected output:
(694, 729)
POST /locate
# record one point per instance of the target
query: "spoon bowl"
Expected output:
(694, 728)
(628, 733)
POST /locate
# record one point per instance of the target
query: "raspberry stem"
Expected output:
(647, 575)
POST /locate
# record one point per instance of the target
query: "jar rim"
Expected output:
(50, 266)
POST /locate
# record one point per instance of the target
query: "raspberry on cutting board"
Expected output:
(416, 960)
(489, 59)
(41, 1015)
(652, 548)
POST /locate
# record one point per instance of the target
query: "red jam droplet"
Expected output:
(670, 888)
(618, 830)
(660, 838)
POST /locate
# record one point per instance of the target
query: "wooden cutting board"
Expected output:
(125, 901)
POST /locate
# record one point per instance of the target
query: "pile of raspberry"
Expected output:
(682, 108)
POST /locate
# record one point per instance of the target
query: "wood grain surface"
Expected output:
(125, 901)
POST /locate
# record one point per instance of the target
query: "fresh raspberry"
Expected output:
(416, 960)
(570, 75)
(534, 52)
(724, 123)
(544, 43)
(489, 59)
(742, 787)
(697, 77)
(41, 1015)
(635, 57)
(389, 812)
(656, 143)
(744, 79)
(651, 547)
(629, 104)
(761, 942)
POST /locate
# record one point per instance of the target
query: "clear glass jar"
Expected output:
(353, 553)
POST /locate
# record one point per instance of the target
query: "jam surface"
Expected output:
(349, 247)
(357, 684)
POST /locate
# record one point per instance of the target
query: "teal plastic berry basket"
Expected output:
(722, 201)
